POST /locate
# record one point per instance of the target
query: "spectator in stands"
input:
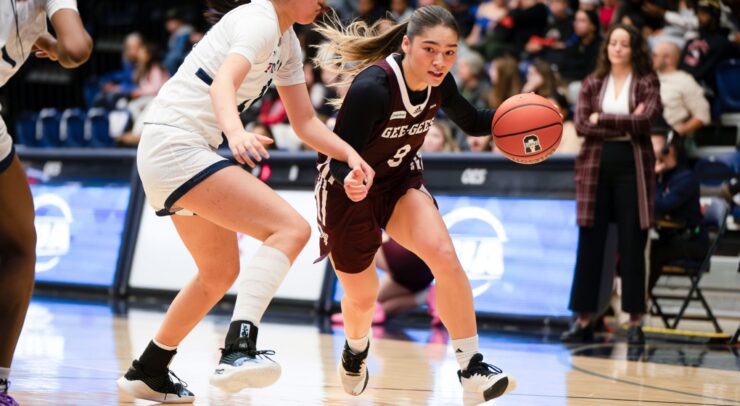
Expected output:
(526, 18)
(370, 11)
(559, 29)
(120, 84)
(677, 210)
(607, 13)
(504, 76)
(680, 25)
(472, 82)
(479, 144)
(401, 10)
(581, 51)
(701, 55)
(488, 14)
(541, 79)
(615, 176)
(406, 284)
(439, 139)
(178, 45)
(685, 108)
(23, 32)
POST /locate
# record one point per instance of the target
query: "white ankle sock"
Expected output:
(464, 349)
(358, 345)
(258, 283)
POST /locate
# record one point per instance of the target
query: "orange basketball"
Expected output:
(527, 128)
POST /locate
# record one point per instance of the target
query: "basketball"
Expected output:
(527, 128)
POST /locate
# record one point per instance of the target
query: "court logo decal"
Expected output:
(482, 258)
(53, 223)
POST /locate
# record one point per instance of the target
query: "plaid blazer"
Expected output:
(646, 90)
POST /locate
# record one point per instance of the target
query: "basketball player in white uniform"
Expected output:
(250, 46)
(23, 31)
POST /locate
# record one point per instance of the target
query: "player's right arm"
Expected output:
(72, 45)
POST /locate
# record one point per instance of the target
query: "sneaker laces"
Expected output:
(234, 351)
(353, 362)
(478, 367)
(170, 386)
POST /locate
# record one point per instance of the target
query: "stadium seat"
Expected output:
(97, 133)
(47, 128)
(728, 85)
(25, 129)
(72, 128)
(714, 170)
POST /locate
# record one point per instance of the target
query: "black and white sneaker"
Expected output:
(485, 379)
(242, 366)
(352, 370)
(159, 388)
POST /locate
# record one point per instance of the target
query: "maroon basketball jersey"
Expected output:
(394, 143)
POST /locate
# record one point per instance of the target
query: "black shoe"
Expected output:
(578, 334)
(160, 388)
(352, 370)
(485, 379)
(242, 366)
(635, 336)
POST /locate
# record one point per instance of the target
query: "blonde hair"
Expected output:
(350, 49)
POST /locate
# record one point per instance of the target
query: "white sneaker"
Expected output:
(485, 379)
(352, 370)
(241, 366)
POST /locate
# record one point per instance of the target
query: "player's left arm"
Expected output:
(471, 120)
(72, 45)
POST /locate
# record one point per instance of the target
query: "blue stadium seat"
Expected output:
(25, 129)
(47, 128)
(72, 128)
(714, 170)
(728, 85)
(97, 133)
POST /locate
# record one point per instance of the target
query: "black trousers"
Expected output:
(616, 200)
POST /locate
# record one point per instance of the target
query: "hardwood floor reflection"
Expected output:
(71, 354)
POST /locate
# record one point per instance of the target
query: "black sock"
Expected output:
(241, 328)
(154, 360)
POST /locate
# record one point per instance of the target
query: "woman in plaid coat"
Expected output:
(615, 178)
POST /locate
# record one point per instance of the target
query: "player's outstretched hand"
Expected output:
(249, 147)
(354, 185)
(45, 47)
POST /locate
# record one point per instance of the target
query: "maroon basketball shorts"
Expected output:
(351, 231)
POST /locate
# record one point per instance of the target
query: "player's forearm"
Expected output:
(315, 134)
(223, 98)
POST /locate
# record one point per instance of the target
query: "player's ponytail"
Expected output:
(351, 49)
(218, 8)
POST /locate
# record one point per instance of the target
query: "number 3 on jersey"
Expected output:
(400, 154)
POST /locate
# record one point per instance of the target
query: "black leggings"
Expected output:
(616, 200)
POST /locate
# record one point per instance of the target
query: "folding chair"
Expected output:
(715, 220)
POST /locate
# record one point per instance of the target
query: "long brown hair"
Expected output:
(508, 81)
(351, 49)
(219, 8)
(640, 58)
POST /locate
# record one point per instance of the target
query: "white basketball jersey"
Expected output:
(250, 30)
(32, 16)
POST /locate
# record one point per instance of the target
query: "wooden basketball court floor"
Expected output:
(71, 353)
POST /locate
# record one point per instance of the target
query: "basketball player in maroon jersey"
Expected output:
(390, 106)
